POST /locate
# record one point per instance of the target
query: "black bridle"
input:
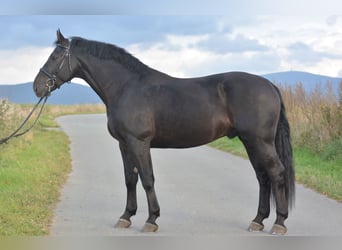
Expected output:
(51, 82)
(52, 78)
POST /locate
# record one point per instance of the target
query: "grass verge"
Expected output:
(316, 171)
(32, 170)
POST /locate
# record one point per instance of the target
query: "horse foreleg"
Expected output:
(131, 179)
(142, 158)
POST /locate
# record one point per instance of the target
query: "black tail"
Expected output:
(284, 150)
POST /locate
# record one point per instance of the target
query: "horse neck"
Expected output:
(106, 84)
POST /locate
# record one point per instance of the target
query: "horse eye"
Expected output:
(54, 57)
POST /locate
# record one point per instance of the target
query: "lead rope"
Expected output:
(16, 132)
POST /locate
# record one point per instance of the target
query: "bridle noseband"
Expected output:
(52, 78)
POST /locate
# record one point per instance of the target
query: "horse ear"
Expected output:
(60, 38)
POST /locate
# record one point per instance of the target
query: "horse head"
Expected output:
(57, 70)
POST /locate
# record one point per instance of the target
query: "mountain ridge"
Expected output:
(308, 80)
(81, 94)
(72, 93)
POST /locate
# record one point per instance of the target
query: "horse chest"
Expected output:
(135, 122)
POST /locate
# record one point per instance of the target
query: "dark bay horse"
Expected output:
(147, 108)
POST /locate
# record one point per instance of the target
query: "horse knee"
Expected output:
(148, 186)
(131, 182)
(147, 183)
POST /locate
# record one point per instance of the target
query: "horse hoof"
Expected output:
(278, 230)
(123, 223)
(149, 228)
(255, 227)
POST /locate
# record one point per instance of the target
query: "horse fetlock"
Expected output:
(283, 215)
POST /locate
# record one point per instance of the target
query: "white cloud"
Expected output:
(185, 41)
(179, 63)
(259, 44)
(21, 65)
(191, 60)
(263, 45)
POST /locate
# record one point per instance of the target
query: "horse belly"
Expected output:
(176, 143)
(190, 133)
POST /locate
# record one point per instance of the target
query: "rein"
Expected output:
(50, 84)
(16, 132)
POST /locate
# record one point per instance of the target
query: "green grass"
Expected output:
(233, 146)
(32, 170)
(323, 175)
(319, 171)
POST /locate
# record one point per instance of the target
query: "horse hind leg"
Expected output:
(264, 190)
(271, 176)
(264, 200)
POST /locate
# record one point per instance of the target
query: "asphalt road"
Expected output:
(201, 191)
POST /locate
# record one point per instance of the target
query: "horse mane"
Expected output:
(106, 51)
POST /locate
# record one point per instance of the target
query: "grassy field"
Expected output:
(32, 169)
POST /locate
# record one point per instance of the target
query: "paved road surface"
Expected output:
(201, 191)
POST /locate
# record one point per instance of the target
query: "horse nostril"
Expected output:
(36, 90)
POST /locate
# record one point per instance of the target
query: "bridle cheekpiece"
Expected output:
(52, 78)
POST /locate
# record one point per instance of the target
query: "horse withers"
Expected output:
(150, 109)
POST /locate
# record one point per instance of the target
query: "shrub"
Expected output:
(315, 118)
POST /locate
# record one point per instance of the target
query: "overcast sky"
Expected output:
(183, 42)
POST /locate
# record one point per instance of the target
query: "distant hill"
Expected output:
(68, 94)
(309, 81)
(80, 94)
